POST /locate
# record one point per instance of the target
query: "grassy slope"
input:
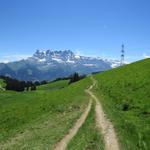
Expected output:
(37, 120)
(88, 137)
(54, 85)
(128, 86)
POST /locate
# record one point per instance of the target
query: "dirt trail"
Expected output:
(72, 132)
(106, 127)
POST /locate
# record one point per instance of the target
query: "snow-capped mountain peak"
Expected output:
(67, 56)
(59, 56)
(49, 65)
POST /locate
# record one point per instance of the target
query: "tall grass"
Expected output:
(125, 95)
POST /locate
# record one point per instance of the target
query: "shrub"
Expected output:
(125, 107)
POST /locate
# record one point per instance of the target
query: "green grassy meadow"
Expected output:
(39, 119)
(125, 95)
(54, 85)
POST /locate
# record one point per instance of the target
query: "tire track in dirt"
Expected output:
(105, 125)
(72, 132)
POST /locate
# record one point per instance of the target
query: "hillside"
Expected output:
(109, 110)
(39, 119)
(124, 94)
(54, 85)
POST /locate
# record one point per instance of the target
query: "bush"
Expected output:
(125, 107)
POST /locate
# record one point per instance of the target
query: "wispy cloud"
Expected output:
(102, 54)
(82, 53)
(78, 52)
(146, 55)
(15, 57)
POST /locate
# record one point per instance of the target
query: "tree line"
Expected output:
(76, 77)
(17, 85)
(72, 78)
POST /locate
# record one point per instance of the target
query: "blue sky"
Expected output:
(88, 27)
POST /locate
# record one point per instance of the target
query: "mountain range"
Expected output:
(49, 65)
